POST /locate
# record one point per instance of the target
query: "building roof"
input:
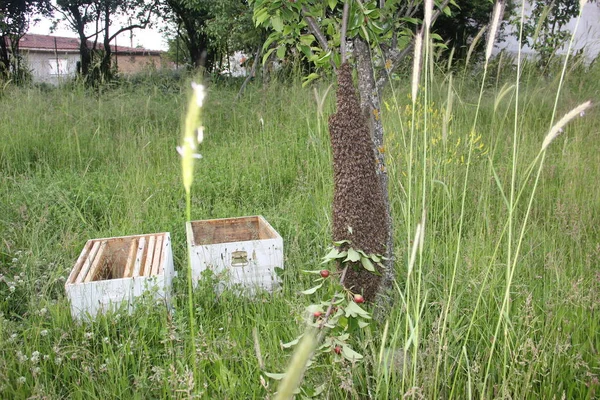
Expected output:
(50, 43)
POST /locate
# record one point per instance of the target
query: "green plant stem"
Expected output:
(188, 210)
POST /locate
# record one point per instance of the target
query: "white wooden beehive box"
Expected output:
(242, 251)
(112, 271)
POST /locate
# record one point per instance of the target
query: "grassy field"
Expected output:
(482, 314)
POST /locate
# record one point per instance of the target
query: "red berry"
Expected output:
(324, 273)
(317, 314)
(337, 349)
(359, 299)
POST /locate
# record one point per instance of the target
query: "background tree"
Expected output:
(211, 31)
(544, 30)
(15, 16)
(78, 14)
(190, 18)
(464, 22)
(92, 18)
(139, 13)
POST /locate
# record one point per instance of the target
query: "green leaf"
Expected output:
(332, 255)
(281, 52)
(367, 264)
(292, 343)
(307, 40)
(375, 258)
(261, 16)
(277, 377)
(267, 54)
(354, 310)
(353, 255)
(310, 78)
(312, 289)
(350, 354)
(362, 324)
(277, 23)
(341, 242)
(305, 50)
(332, 4)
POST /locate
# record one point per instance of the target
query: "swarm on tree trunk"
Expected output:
(359, 212)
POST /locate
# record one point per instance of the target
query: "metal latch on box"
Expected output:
(239, 259)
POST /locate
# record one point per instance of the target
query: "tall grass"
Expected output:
(75, 166)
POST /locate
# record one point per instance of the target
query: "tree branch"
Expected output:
(313, 27)
(343, 32)
(397, 57)
(252, 72)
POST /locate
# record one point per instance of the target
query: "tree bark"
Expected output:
(4, 58)
(370, 105)
(252, 73)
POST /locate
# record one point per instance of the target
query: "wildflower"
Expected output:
(89, 335)
(12, 289)
(44, 332)
(35, 370)
(21, 380)
(21, 357)
(58, 361)
(35, 357)
(15, 260)
(106, 339)
(43, 311)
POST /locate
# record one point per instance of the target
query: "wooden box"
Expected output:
(240, 251)
(113, 271)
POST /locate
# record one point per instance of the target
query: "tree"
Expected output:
(382, 34)
(544, 30)
(82, 14)
(15, 16)
(191, 19)
(139, 13)
(460, 27)
(211, 31)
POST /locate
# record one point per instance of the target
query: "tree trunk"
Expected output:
(85, 56)
(4, 58)
(106, 63)
(370, 102)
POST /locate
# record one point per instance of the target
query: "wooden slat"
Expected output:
(149, 256)
(158, 254)
(138, 257)
(96, 264)
(130, 258)
(88, 262)
(84, 253)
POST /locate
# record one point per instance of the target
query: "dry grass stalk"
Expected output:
(417, 65)
(496, 18)
(558, 127)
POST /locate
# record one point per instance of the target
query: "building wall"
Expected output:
(49, 67)
(587, 36)
(131, 64)
(54, 68)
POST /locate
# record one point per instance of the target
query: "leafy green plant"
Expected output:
(336, 316)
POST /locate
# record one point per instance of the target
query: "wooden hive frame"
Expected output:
(112, 270)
